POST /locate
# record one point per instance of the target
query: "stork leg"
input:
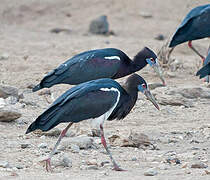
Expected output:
(48, 165)
(196, 51)
(103, 141)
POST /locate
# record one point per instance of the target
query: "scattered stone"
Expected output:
(53, 132)
(8, 114)
(92, 167)
(155, 85)
(160, 37)
(30, 86)
(83, 142)
(207, 172)
(138, 140)
(6, 91)
(25, 145)
(199, 165)
(59, 30)
(151, 172)
(187, 171)
(172, 160)
(175, 100)
(66, 162)
(171, 74)
(11, 100)
(99, 25)
(174, 65)
(75, 148)
(134, 159)
(4, 56)
(2, 102)
(92, 162)
(19, 166)
(145, 14)
(42, 145)
(45, 92)
(4, 164)
(104, 162)
(191, 92)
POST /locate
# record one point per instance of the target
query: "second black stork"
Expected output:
(196, 25)
(100, 63)
(99, 100)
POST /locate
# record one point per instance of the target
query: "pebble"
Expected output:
(6, 91)
(134, 159)
(145, 14)
(75, 148)
(4, 56)
(199, 165)
(11, 100)
(99, 25)
(66, 161)
(92, 167)
(8, 114)
(83, 142)
(160, 37)
(25, 145)
(54, 132)
(2, 102)
(42, 145)
(151, 172)
(4, 164)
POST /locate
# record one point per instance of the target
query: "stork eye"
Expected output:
(152, 59)
(144, 86)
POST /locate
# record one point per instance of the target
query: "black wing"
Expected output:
(204, 71)
(84, 67)
(86, 102)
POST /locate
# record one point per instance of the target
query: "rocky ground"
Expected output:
(37, 36)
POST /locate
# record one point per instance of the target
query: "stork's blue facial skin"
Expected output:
(151, 61)
(141, 88)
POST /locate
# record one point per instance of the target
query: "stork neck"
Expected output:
(138, 62)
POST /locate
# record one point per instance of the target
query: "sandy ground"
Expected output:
(33, 51)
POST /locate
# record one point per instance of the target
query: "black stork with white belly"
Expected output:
(100, 63)
(100, 100)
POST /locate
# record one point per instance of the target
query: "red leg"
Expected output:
(103, 141)
(48, 165)
(196, 51)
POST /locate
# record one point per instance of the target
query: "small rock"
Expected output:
(6, 91)
(188, 171)
(92, 167)
(11, 100)
(155, 85)
(4, 56)
(171, 160)
(145, 14)
(91, 162)
(176, 64)
(83, 142)
(99, 25)
(19, 166)
(134, 159)
(207, 172)
(191, 92)
(2, 102)
(160, 37)
(58, 30)
(75, 148)
(8, 114)
(199, 165)
(4, 164)
(45, 92)
(42, 145)
(151, 172)
(25, 145)
(53, 132)
(66, 162)
(175, 100)
(171, 74)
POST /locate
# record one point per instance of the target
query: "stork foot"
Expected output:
(117, 168)
(47, 164)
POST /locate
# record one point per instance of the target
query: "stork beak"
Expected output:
(151, 98)
(158, 70)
